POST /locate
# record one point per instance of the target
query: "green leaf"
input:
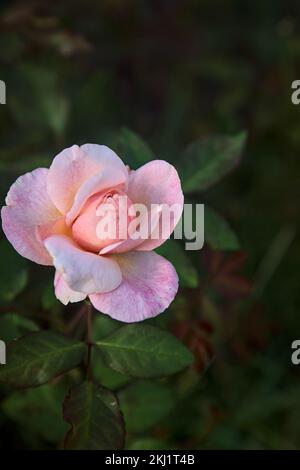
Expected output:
(13, 326)
(108, 377)
(208, 160)
(132, 148)
(36, 358)
(13, 272)
(144, 351)
(95, 417)
(56, 110)
(145, 404)
(37, 101)
(175, 253)
(103, 326)
(149, 443)
(218, 233)
(43, 406)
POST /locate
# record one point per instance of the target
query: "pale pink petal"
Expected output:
(83, 271)
(149, 285)
(108, 178)
(64, 293)
(157, 182)
(74, 166)
(29, 213)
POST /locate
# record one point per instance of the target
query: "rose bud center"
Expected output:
(104, 220)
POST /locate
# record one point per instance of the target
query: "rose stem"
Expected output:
(89, 339)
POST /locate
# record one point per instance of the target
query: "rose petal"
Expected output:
(109, 178)
(63, 292)
(149, 220)
(74, 166)
(149, 285)
(83, 271)
(157, 182)
(28, 214)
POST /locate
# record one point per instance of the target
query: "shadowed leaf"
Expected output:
(145, 403)
(13, 272)
(208, 160)
(132, 149)
(95, 417)
(218, 233)
(13, 326)
(43, 405)
(149, 443)
(36, 358)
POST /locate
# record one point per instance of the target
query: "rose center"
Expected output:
(103, 221)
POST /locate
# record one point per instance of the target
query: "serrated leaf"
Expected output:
(133, 149)
(95, 417)
(144, 351)
(174, 252)
(208, 160)
(36, 358)
(218, 233)
(13, 326)
(13, 272)
(145, 404)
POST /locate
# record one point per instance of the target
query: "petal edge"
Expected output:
(149, 285)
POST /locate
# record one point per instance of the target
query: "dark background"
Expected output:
(173, 71)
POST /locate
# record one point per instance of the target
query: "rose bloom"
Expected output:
(51, 218)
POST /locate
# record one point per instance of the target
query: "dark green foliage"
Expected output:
(207, 161)
(144, 351)
(176, 81)
(13, 272)
(133, 149)
(218, 234)
(160, 401)
(12, 326)
(95, 418)
(43, 406)
(35, 359)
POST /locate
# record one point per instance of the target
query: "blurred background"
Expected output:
(167, 73)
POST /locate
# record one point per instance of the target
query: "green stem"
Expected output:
(89, 339)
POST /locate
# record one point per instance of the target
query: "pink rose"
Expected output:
(51, 218)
